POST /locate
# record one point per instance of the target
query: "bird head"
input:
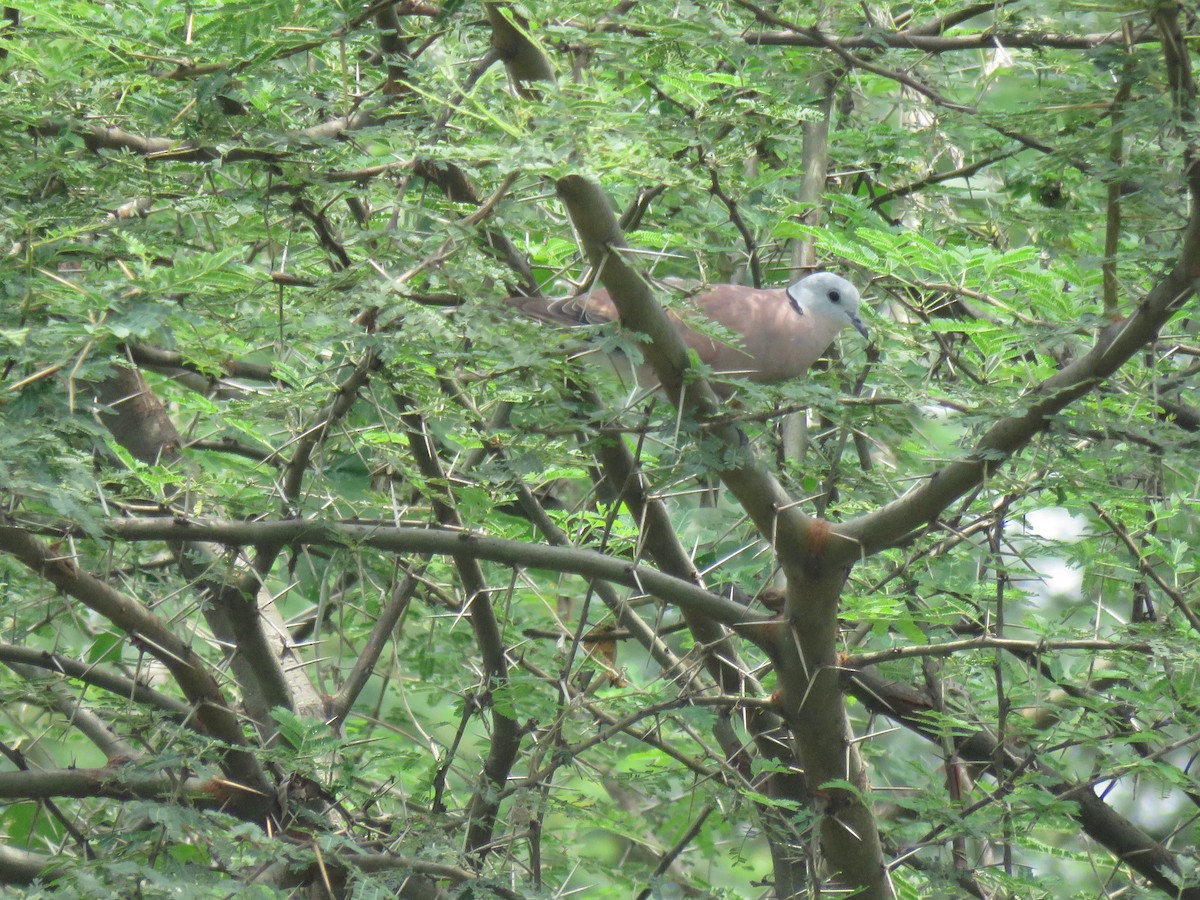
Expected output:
(826, 294)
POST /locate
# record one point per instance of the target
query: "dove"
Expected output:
(778, 332)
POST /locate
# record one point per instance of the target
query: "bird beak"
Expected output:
(860, 327)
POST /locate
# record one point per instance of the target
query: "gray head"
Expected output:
(829, 295)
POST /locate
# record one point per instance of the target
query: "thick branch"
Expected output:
(719, 651)
(523, 59)
(157, 148)
(804, 650)
(159, 359)
(506, 732)
(759, 493)
(113, 782)
(66, 702)
(1114, 346)
(189, 671)
(97, 676)
(368, 656)
(927, 43)
(458, 188)
(1100, 822)
(19, 866)
(138, 420)
(440, 541)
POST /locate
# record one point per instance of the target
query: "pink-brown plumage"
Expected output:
(776, 333)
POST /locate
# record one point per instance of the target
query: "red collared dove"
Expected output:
(780, 331)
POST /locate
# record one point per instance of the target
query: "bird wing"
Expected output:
(592, 308)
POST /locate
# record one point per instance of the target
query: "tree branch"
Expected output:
(489, 638)
(440, 541)
(949, 648)
(19, 866)
(803, 649)
(1114, 346)
(1125, 840)
(936, 43)
(189, 671)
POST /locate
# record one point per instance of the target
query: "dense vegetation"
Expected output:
(324, 574)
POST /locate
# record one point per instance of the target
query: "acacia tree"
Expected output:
(324, 574)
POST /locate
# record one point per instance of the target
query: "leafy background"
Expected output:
(296, 223)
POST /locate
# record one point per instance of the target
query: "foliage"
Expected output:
(321, 572)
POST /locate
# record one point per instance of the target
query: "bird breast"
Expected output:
(774, 341)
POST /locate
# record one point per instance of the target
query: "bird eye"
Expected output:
(835, 296)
